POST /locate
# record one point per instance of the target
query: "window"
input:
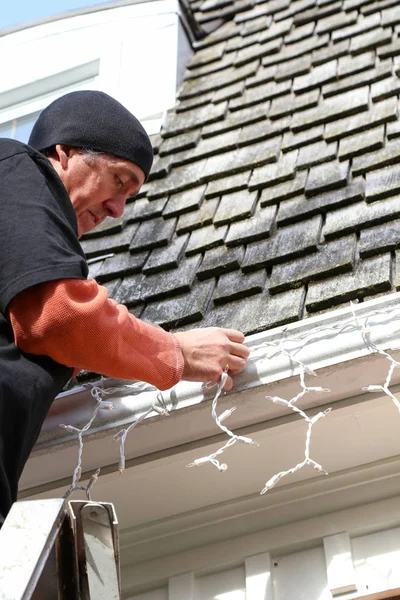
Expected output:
(21, 106)
(19, 129)
(134, 51)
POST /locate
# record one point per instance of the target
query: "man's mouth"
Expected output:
(96, 220)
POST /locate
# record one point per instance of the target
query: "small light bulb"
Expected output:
(160, 411)
(70, 428)
(227, 413)
(107, 405)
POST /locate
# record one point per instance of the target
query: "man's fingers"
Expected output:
(235, 365)
(239, 350)
(207, 352)
(234, 335)
(228, 384)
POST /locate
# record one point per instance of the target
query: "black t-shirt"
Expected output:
(38, 243)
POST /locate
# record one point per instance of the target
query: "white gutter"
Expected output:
(320, 342)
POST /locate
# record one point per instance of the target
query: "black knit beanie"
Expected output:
(95, 120)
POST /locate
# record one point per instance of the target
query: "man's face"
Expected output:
(99, 186)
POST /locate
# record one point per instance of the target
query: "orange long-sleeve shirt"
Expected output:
(75, 323)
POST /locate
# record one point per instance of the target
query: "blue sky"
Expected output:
(16, 12)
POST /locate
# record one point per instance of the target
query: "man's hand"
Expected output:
(207, 352)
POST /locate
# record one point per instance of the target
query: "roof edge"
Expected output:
(317, 342)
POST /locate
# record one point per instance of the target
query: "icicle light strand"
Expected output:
(373, 348)
(276, 349)
(121, 436)
(233, 439)
(98, 392)
(309, 420)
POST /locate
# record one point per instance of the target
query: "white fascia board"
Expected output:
(332, 342)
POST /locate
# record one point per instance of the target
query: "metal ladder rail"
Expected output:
(57, 550)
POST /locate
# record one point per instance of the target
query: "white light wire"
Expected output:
(98, 392)
(374, 349)
(122, 435)
(310, 420)
(233, 439)
(325, 333)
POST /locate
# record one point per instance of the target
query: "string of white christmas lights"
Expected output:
(350, 325)
(233, 439)
(122, 435)
(98, 392)
(222, 467)
(374, 349)
(310, 420)
(296, 344)
(324, 333)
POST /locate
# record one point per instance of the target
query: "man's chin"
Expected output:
(84, 228)
(86, 223)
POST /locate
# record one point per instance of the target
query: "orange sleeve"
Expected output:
(75, 323)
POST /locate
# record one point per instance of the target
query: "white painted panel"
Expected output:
(301, 576)
(181, 587)
(339, 563)
(259, 577)
(148, 77)
(226, 585)
(376, 561)
(161, 594)
(137, 47)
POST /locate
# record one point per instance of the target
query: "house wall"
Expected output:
(131, 52)
(304, 575)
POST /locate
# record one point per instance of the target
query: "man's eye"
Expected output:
(118, 181)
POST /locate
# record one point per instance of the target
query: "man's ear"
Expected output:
(63, 153)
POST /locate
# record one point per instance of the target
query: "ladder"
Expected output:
(58, 550)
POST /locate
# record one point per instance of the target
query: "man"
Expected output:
(87, 154)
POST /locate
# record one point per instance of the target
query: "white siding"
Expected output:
(135, 48)
(226, 585)
(259, 577)
(376, 560)
(161, 594)
(294, 576)
(301, 575)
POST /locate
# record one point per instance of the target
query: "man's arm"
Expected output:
(75, 323)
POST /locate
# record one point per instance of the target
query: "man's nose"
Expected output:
(115, 206)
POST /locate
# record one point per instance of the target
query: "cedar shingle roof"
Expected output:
(274, 192)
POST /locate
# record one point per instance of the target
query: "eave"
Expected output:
(329, 346)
